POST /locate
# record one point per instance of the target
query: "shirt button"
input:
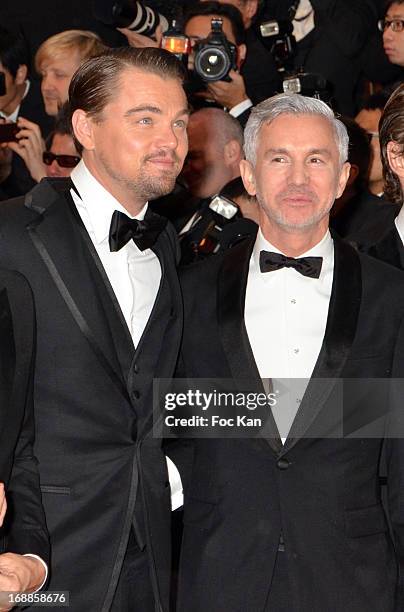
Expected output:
(283, 463)
(136, 394)
(293, 301)
(296, 350)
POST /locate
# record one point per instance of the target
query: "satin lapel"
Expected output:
(78, 275)
(120, 333)
(340, 331)
(232, 284)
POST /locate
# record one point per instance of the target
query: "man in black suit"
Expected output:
(24, 534)
(292, 521)
(109, 318)
(390, 247)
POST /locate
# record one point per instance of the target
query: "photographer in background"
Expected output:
(330, 35)
(259, 69)
(20, 98)
(230, 94)
(54, 158)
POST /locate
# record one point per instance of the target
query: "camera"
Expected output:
(308, 84)
(129, 14)
(218, 227)
(278, 39)
(215, 56)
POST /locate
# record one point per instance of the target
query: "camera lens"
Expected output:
(212, 64)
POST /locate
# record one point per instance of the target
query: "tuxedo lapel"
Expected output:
(119, 330)
(67, 251)
(232, 284)
(340, 331)
(389, 249)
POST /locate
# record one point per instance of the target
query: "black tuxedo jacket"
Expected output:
(321, 493)
(389, 248)
(102, 473)
(24, 530)
(364, 219)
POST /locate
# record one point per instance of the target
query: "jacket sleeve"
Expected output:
(25, 526)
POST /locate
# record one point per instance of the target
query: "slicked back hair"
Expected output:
(96, 82)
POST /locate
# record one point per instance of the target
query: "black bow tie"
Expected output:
(143, 233)
(308, 266)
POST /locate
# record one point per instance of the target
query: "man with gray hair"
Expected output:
(291, 520)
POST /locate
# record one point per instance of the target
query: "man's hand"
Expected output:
(30, 147)
(19, 574)
(139, 41)
(3, 503)
(227, 94)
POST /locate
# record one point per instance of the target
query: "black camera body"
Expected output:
(277, 37)
(215, 56)
(218, 227)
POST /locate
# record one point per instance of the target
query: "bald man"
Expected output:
(215, 151)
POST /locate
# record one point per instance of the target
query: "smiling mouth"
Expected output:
(163, 162)
(298, 200)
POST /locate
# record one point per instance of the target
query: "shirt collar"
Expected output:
(98, 202)
(399, 221)
(324, 249)
(14, 115)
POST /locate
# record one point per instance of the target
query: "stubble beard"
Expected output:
(280, 219)
(144, 186)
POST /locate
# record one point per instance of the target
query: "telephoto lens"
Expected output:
(130, 14)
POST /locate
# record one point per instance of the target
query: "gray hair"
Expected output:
(291, 104)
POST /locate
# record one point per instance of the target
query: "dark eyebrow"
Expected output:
(152, 109)
(141, 109)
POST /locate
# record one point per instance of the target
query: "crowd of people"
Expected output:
(165, 233)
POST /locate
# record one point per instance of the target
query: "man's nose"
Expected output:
(298, 174)
(47, 82)
(167, 138)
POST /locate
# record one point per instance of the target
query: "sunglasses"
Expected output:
(64, 161)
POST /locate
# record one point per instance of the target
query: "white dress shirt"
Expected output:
(134, 275)
(285, 316)
(399, 221)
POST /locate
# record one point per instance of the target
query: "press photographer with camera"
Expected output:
(329, 37)
(216, 32)
(259, 69)
(20, 99)
(201, 25)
